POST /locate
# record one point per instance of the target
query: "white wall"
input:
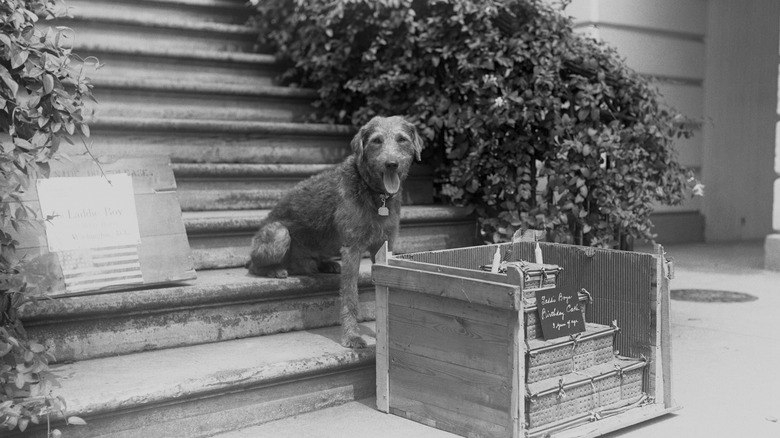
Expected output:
(740, 106)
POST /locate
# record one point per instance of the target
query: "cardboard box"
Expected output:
(460, 349)
(159, 254)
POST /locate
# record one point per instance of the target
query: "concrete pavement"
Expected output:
(726, 361)
(725, 356)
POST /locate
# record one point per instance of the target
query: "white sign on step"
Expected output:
(89, 212)
(92, 224)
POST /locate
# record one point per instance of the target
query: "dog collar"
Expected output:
(383, 210)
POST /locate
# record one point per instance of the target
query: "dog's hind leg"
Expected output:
(348, 292)
(329, 267)
(270, 249)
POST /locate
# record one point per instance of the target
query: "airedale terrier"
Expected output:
(348, 210)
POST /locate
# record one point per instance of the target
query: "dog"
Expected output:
(348, 210)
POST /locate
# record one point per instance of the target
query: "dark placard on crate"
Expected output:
(559, 313)
(113, 223)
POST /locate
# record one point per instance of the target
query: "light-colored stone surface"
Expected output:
(125, 382)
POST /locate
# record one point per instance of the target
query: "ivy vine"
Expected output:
(532, 124)
(42, 94)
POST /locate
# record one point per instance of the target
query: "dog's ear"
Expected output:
(357, 143)
(417, 142)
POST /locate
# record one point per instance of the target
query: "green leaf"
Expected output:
(39, 139)
(20, 380)
(22, 143)
(7, 143)
(44, 169)
(76, 421)
(23, 422)
(21, 214)
(36, 347)
(19, 58)
(48, 83)
(9, 81)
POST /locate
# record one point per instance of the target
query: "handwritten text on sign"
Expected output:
(560, 313)
(89, 212)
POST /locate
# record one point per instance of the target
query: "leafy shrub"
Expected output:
(532, 124)
(41, 100)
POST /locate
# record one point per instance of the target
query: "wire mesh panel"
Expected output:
(620, 282)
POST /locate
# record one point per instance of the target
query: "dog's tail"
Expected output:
(270, 248)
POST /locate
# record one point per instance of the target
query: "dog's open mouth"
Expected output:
(391, 181)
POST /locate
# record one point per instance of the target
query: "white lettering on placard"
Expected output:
(89, 212)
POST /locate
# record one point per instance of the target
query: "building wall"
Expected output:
(717, 61)
(664, 39)
(740, 106)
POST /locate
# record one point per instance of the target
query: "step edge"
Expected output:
(224, 286)
(208, 4)
(335, 358)
(181, 25)
(206, 222)
(239, 171)
(206, 125)
(192, 86)
(199, 54)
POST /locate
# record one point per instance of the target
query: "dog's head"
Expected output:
(384, 149)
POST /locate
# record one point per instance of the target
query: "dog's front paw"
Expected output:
(277, 273)
(265, 271)
(353, 341)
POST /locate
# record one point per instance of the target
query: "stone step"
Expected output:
(220, 305)
(226, 350)
(207, 389)
(176, 99)
(138, 25)
(203, 187)
(351, 419)
(221, 239)
(205, 66)
(179, 11)
(219, 141)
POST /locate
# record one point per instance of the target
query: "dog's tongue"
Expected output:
(392, 182)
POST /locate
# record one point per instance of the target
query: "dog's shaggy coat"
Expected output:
(348, 210)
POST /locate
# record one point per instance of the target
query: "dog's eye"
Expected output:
(376, 140)
(401, 139)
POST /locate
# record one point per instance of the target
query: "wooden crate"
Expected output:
(459, 348)
(163, 252)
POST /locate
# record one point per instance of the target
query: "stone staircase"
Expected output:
(227, 350)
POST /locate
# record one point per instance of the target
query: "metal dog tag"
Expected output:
(383, 211)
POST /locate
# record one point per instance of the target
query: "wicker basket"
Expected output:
(581, 392)
(557, 357)
(536, 276)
